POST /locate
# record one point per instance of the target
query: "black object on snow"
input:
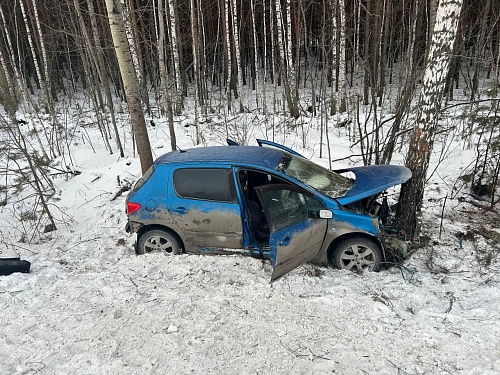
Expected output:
(8, 266)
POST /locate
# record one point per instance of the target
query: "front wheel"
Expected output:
(158, 240)
(357, 254)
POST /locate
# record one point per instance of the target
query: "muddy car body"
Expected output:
(265, 202)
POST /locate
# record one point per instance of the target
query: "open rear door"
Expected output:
(296, 231)
(264, 143)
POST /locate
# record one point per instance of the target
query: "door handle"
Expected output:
(285, 241)
(181, 210)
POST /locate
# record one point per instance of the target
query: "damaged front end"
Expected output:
(381, 209)
(374, 194)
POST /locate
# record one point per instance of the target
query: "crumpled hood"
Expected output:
(373, 179)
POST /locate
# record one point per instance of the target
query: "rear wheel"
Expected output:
(357, 254)
(158, 240)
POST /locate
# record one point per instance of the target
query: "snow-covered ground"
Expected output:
(91, 306)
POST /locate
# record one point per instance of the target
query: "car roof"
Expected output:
(261, 156)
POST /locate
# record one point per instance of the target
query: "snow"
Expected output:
(91, 306)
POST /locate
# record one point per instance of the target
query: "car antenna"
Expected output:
(180, 149)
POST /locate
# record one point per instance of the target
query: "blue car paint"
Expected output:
(218, 155)
(263, 143)
(278, 237)
(373, 179)
(369, 181)
(362, 222)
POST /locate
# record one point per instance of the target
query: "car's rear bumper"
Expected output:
(132, 226)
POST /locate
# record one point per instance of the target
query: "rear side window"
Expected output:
(207, 184)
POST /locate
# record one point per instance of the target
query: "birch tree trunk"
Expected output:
(407, 91)
(292, 72)
(44, 56)
(179, 98)
(342, 94)
(130, 82)
(9, 94)
(17, 76)
(229, 58)
(41, 79)
(333, 91)
(164, 76)
(433, 87)
(91, 67)
(196, 69)
(237, 51)
(285, 66)
(255, 55)
(103, 75)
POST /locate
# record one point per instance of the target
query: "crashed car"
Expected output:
(266, 201)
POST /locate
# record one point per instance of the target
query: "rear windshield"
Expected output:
(323, 180)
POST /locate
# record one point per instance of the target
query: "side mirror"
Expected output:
(325, 214)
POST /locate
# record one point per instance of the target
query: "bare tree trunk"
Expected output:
(285, 65)
(17, 75)
(407, 92)
(131, 25)
(90, 69)
(335, 51)
(164, 76)
(290, 65)
(103, 75)
(342, 94)
(179, 101)
(9, 95)
(44, 55)
(367, 75)
(196, 69)
(478, 61)
(255, 56)
(422, 139)
(236, 38)
(229, 58)
(130, 82)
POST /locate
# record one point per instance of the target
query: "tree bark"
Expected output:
(164, 76)
(130, 82)
(422, 139)
(179, 102)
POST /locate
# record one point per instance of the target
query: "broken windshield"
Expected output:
(325, 181)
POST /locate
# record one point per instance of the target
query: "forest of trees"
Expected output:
(292, 57)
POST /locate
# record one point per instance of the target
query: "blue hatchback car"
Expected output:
(267, 202)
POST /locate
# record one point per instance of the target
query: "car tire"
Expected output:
(159, 240)
(357, 254)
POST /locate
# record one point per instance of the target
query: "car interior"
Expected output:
(248, 180)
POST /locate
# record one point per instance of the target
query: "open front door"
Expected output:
(265, 143)
(296, 231)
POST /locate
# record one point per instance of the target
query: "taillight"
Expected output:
(132, 207)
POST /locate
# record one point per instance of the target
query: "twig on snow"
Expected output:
(312, 356)
(12, 295)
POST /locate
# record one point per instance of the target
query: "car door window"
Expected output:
(205, 183)
(286, 205)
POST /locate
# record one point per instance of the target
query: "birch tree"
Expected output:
(174, 39)
(237, 51)
(229, 59)
(103, 75)
(164, 76)
(130, 82)
(196, 70)
(433, 87)
(342, 94)
(287, 72)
